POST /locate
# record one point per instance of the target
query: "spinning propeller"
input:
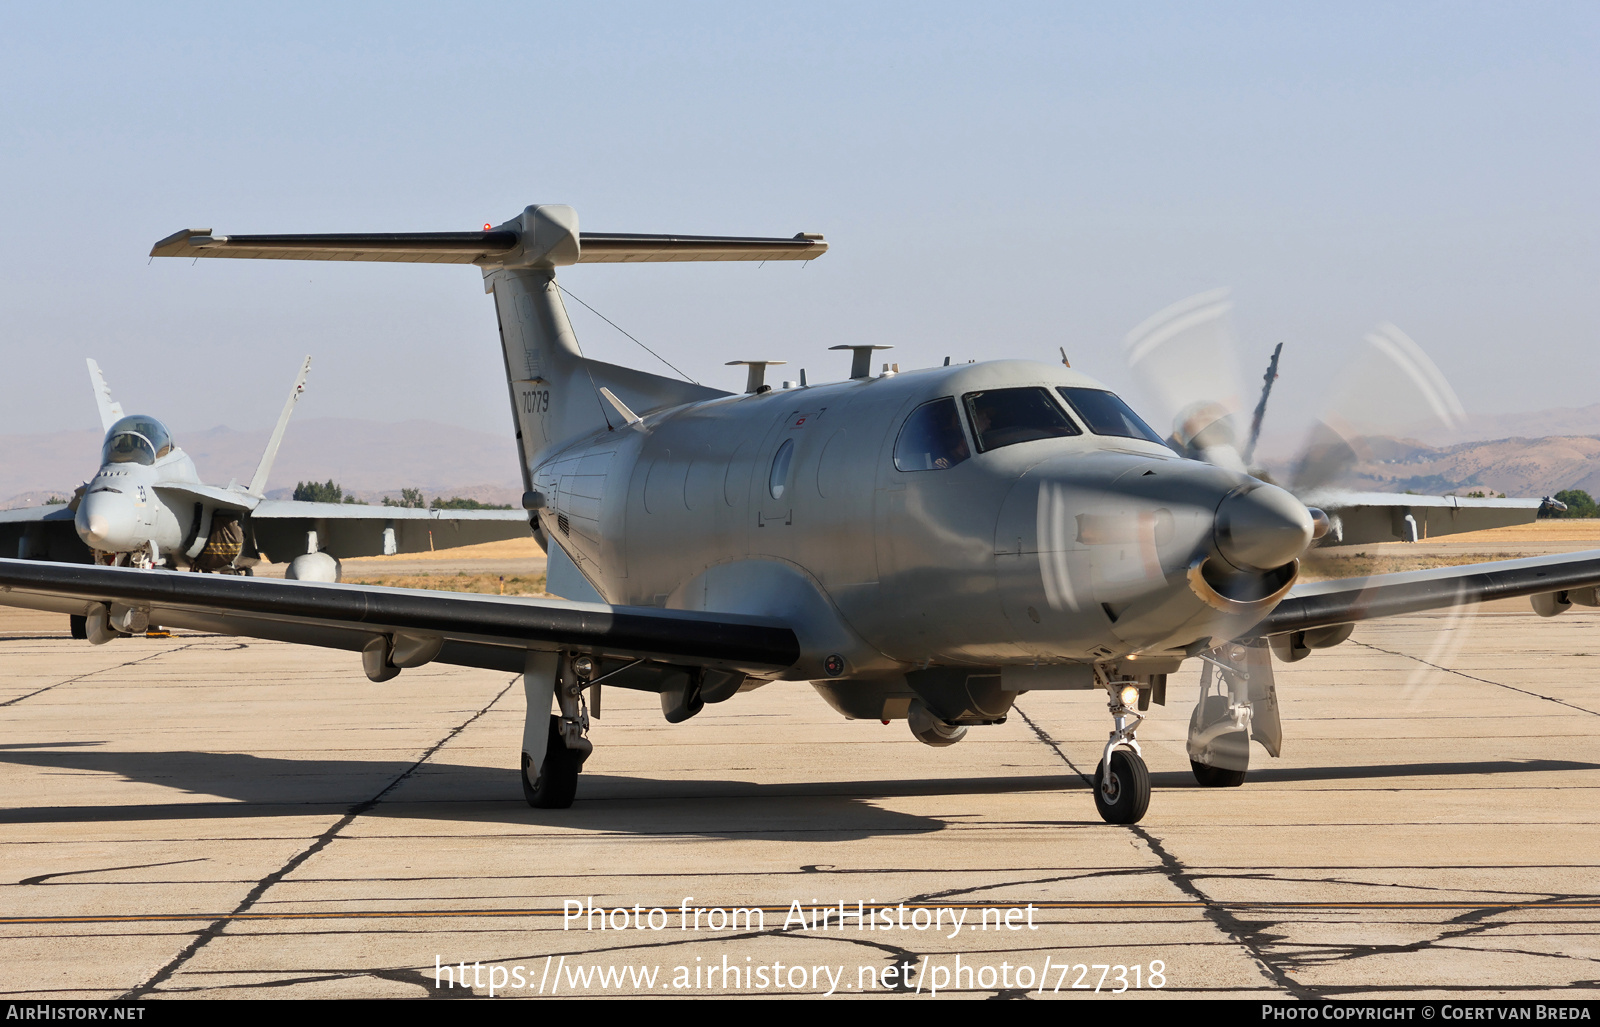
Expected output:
(1186, 357)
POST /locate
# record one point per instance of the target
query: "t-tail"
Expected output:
(555, 391)
(259, 483)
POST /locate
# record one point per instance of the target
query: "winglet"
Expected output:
(110, 411)
(259, 482)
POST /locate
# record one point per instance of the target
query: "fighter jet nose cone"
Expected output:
(1262, 527)
(104, 523)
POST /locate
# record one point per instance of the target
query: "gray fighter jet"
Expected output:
(923, 545)
(147, 508)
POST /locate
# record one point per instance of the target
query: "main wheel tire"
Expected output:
(1235, 746)
(1217, 777)
(1122, 796)
(79, 626)
(557, 781)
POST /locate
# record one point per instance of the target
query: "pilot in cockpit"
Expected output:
(136, 439)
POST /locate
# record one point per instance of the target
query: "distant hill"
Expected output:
(1527, 467)
(369, 458)
(1535, 424)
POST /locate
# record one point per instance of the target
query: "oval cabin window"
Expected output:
(780, 469)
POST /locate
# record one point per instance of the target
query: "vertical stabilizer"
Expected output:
(110, 410)
(259, 482)
(556, 392)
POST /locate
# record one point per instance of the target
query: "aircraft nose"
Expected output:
(1261, 528)
(105, 521)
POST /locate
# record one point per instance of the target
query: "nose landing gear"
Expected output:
(1121, 781)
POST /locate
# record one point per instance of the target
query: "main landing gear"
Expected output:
(1121, 781)
(553, 745)
(1238, 702)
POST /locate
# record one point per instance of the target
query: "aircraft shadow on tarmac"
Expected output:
(273, 787)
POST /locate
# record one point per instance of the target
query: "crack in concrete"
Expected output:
(322, 841)
(92, 673)
(1474, 677)
(1251, 936)
(42, 878)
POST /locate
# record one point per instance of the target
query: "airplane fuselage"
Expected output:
(1057, 549)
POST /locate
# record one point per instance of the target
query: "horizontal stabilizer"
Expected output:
(482, 248)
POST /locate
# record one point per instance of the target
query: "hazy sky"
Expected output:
(995, 180)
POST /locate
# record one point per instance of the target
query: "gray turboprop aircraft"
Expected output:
(922, 545)
(146, 507)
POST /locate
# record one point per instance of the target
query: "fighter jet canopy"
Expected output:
(137, 439)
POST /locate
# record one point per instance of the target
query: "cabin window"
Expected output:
(932, 438)
(780, 469)
(1106, 414)
(1005, 417)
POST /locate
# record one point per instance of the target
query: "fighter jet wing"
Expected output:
(494, 632)
(33, 514)
(354, 529)
(42, 533)
(1324, 604)
(1361, 518)
(224, 498)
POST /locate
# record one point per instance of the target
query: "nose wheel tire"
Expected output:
(556, 781)
(1123, 794)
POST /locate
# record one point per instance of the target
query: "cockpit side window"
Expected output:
(1106, 414)
(931, 438)
(1005, 417)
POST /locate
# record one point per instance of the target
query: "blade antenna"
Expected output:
(259, 482)
(1261, 407)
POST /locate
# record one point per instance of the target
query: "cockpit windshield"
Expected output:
(136, 440)
(1106, 414)
(1004, 417)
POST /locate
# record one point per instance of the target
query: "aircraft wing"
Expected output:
(34, 514)
(493, 632)
(42, 533)
(211, 494)
(1323, 604)
(1367, 517)
(356, 529)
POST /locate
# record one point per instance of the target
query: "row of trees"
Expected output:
(331, 492)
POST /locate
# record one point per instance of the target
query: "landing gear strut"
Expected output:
(1121, 781)
(553, 745)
